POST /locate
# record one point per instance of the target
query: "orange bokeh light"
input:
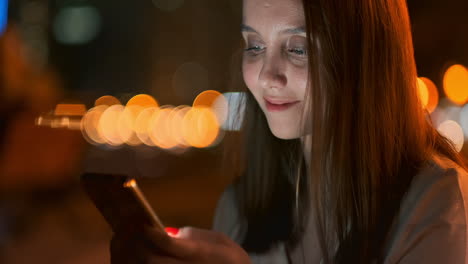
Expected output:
(206, 98)
(126, 125)
(456, 84)
(200, 127)
(108, 125)
(108, 100)
(176, 120)
(423, 92)
(90, 125)
(143, 100)
(70, 109)
(433, 94)
(160, 130)
(142, 121)
(141, 125)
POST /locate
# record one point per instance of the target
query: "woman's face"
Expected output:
(275, 66)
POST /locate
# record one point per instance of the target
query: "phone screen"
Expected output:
(120, 201)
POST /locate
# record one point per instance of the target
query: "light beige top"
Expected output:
(430, 229)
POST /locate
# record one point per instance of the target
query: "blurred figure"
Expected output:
(29, 158)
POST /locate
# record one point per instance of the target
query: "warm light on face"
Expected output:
(456, 84)
(275, 62)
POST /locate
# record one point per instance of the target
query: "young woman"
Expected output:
(341, 162)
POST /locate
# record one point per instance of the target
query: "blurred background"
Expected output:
(70, 68)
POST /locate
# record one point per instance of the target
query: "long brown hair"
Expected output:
(369, 136)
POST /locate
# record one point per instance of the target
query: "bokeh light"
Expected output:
(423, 92)
(160, 131)
(52, 121)
(107, 100)
(206, 98)
(70, 109)
(452, 131)
(108, 125)
(90, 125)
(208, 128)
(126, 125)
(432, 93)
(3, 15)
(456, 84)
(142, 125)
(200, 127)
(464, 120)
(143, 121)
(143, 100)
(221, 109)
(176, 119)
(214, 100)
(75, 25)
(446, 110)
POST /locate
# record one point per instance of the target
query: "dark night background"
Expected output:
(170, 49)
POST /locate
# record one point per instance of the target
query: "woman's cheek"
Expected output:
(299, 80)
(250, 75)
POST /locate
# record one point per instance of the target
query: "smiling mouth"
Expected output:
(279, 106)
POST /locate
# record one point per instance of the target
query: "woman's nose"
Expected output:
(272, 74)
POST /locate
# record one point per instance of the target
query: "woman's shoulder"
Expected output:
(439, 178)
(433, 216)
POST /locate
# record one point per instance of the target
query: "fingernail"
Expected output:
(172, 230)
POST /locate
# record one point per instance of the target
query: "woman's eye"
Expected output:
(255, 49)
(298, 51)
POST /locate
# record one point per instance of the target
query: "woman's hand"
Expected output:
(188, 245)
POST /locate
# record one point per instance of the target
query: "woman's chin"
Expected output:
(284, 133)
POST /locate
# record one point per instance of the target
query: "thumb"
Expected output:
(201, 235)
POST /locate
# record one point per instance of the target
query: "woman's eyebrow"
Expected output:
(245, 28)
(298, 30)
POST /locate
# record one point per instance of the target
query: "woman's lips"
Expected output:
(279, 105)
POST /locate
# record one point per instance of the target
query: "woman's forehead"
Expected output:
(271, 12)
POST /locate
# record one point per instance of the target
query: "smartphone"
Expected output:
(120, 201)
